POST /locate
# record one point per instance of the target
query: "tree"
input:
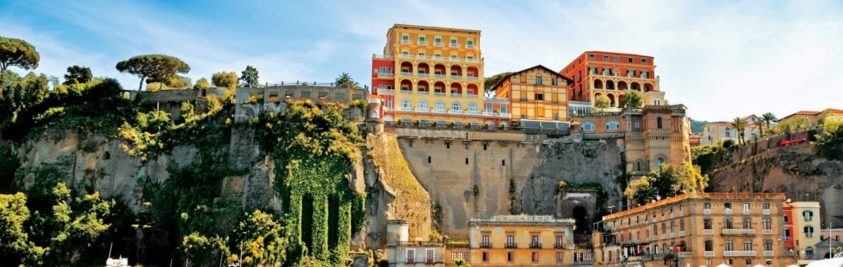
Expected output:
(829, 143)
(768, 118)
(760, 124)
(632, 99)
(17, 52)
(15, 247)
(740, 125)
(202, 84)
(80, 222)
(261, 238)
(227, 79)
(250, 76)
(601, 102)
(204, 251)
(345, 80)
(77, 74)
(153, 68)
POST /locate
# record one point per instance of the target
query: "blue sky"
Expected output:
(720, 58)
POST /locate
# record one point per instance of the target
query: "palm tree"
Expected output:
(768, 118)
(760, 124)
(739, 124)
(345, 80)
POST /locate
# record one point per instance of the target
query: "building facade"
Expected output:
(806, 226)
(432, 75)
(811, 118)
(250, 101)
(597, 73)
(535, 93)
(650, 136)
(717, 132)
(694, 229)
(521, 240)
(401, 252)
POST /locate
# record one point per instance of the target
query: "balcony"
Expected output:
(406, 56)
(383, 75)
(737, 231)
(765, 212)
(511, 245)
(422, 42)
(437, 43)
(406, 109)
(472, 78)
(385, 91)
(745, 211)
(738, 253)
(405, 41)
(439, 93)
(424, 75)
(768, 253)
(485, 245)
(439, 76)
(421, 109)
(455, 112)
(686, 254)
(455, 77)
(406, 91)
(471, 95)
(456, 95)
(453, 45)
(535, 245)
(403, 73)
(672, 235)
(681, 233)
(469, 46)
(423, 92)
(707, 211)
(708, 253)
(423, 57)
(708, 231)
(727, 211)
(558, 245)
(664, 236)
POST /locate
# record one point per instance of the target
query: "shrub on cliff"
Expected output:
(829, 144)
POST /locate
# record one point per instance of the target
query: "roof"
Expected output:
(802, 112)
(434, 28)
(569, 80)
(615, 53)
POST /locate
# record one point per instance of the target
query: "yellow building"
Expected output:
(535, 93)
(431, 75)
(522, 240)
(806, 227)
(695, 229)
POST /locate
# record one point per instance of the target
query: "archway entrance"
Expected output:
(580, 215)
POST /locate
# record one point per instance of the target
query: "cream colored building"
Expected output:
(401, 252)
(695, 229)
(521, 240)
(806, 227)
(717, 132)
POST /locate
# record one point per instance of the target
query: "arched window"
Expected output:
(440, 105)
(809, 252)
(405, 103)
(613, 125)
(587, 126)
(423, 104)
(659, 122)
(455, 106)
(659, 162)
(472, 107)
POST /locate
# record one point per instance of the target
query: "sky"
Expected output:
(721, 59)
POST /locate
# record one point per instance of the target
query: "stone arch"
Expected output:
(456, 88)
(622, 85)
(439, 70)
(611, 100)
(406, 85)
(472, 71)
(610, 85)
(407, 67)
(648, 87)
(598, 84)
(635, 86)
(472, 89)
(456, 70)
(423, 68)
(423, 87)
(439, 88)
(581, 219)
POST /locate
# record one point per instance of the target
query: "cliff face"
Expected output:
(794, 170)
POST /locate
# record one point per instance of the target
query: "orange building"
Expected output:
(609, 73)
(432, 75)
(535, 93)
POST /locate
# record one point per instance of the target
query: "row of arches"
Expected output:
(424, 87)
(439, 69)
(614, 98)
(622, 85)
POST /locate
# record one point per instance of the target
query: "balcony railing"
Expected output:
(455, 76)
(384, 74)
(471, 95)
(423, 57)
(439, 76)
(686, 254)
(456, 94)
(727, 211)
(406, 55)
(681, 233)
(439, 93)
(558, 245)
(485, 245)
(423, 42)
(765, 212)
(510, 245)
(385, 91)
(437, 43)
(423, 92)
(738, 231)
(672, 235)
(535, 245)
(424, 74)
(406, 73)
(455, 46)
(708, 253)
(768, 253)
(739, 253)
(664, 236)
(745, 211)
(707, 211)
(472, 78)
(708, 231)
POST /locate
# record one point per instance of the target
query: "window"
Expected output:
(587, 126)
(503, 109)
(305, 94)
(553, 82)
(768, 245)
(613, 125)
(405, 39)
(405, 103)
(440, 105)
(808, 215)
(510, 241)
(485, 241)
(629, 60)
(437, 41)
(728, 223)
(423, 104)
(322, 95)
(538, 80)
(767, 223)
(730, 246)
(539, 97)
(659, 122)
(591, 57)
(472, 107)
(485, 256)
(454, 43)
(534, 241)
(748, 262)
(560, 257)
(455, 106)
(422, 40)
(746, 208)
(558, 241)
(809, 252)
(747, 223)
(535, 256)
(429, 255)
(809, 231)
(643, 61)
(709, 245)
(747, 245)
(615, 59)
(727, 206)
(766, 205)
(786, 234)
(469, 44)
(340, 96)
(410, 255)
(509, 256)
(454, 58)
(606, 58)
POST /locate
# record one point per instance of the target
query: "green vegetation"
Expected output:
(345, 80)
(632, 99)
(740, 125)
(202, 84)
(494, 79)
(710, 156)
(153, 68)
(697, 127)
(829, 143)
(665, 182)
(250, 77)
(18, 53)
(78, 74)
(601, 102)
(226, 79)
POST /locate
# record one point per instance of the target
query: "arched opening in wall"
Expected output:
(456, 72)
(598, 84)
(610, 85)
(622, 85)
(423, 87)
(406, 85)
(424, 68)
(439, 70)
(611, 100)
(439, 88)
(582, 222)
(106, 155)
(636, 86)
(648, 87)
(456, 89)
(406, 68)
(472, 89)
(472, 72)
(659, 122)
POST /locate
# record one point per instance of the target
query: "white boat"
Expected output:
(836, 261)
(118, 262)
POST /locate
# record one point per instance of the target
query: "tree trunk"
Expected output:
(140, 85)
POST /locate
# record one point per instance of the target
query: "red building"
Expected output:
(788, 237)
(610, 74)
(383, 80)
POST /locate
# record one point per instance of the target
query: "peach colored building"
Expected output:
(521, 240)
(694, 229)
(535, 93)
